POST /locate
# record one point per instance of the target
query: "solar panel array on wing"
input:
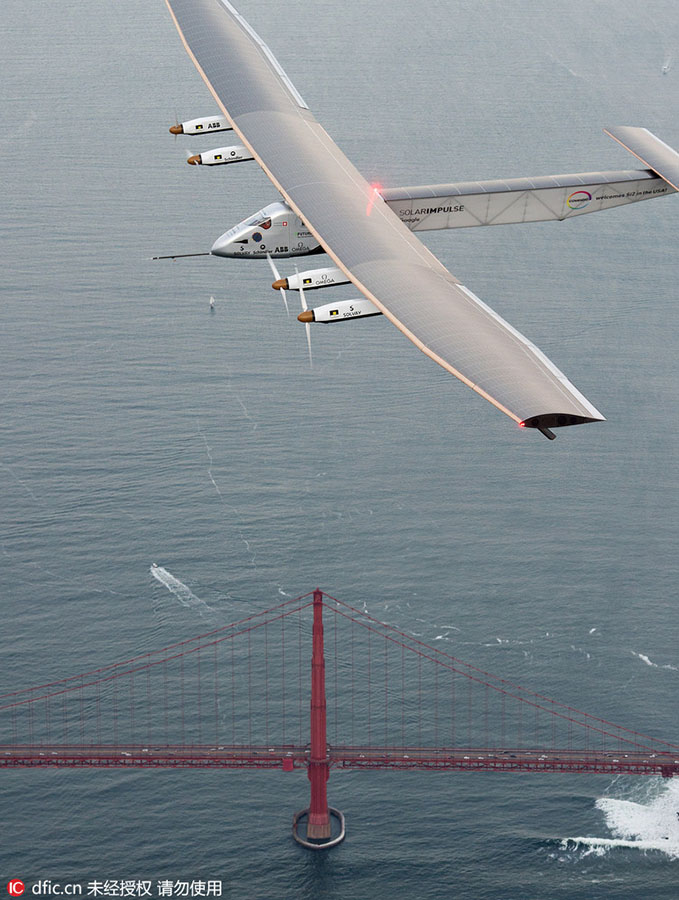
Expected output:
(364, 237)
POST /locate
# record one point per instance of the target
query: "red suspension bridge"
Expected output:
(237, 698)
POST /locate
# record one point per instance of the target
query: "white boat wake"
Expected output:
(650, 662)
(183, 593)
(649, 825)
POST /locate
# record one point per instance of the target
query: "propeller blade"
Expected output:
(307, 326)
(276, 275)
(193, 159)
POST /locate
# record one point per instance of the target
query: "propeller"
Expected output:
(307, 326)
(276, 275)
(193, 156)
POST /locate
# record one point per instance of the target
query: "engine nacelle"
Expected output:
(221, 156)
(340, 311)
(311, 280)
(201, 126)
(275, 230)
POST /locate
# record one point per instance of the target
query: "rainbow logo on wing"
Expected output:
(579, 199)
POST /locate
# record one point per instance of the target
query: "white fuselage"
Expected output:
(275, 230)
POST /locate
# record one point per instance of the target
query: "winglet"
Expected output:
(652, 152)
(547, 421)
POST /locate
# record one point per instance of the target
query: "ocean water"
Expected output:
(139, 426)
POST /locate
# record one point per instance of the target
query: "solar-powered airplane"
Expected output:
(369, 232)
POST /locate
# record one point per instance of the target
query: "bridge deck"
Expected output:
(632, 762)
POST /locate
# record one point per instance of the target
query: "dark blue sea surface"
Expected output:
(139, 426)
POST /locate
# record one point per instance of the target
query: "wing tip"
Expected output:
(546, 421)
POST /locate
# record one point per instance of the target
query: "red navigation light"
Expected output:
(374, 193)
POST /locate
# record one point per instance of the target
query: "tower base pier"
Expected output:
(321, 843)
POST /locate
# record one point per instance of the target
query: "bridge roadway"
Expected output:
(288, 757)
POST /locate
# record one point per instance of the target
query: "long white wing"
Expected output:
(385, 261)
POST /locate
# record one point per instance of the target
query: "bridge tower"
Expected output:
(319, 825)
